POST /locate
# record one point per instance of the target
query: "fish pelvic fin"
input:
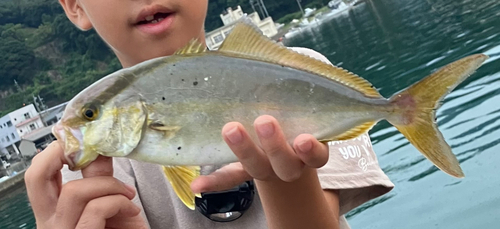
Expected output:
(180, 177)
(352, 133)
(416, 106)
(247, 41)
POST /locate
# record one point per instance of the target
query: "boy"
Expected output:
(307, 185)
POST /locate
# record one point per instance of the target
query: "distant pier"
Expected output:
(13, 182)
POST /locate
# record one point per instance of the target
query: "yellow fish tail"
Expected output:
(416, 106)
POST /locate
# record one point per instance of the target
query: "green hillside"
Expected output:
(41, 52)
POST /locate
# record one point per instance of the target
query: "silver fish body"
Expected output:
(171, 110)
(178, 94)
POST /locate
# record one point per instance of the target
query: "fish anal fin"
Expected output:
(247, 41)
(352, 133)
(194, 46)
(180, 177)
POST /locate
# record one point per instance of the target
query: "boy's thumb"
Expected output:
(102, 166)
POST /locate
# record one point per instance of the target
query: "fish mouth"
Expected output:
(71, 141)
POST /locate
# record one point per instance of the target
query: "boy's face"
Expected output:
(138, 30)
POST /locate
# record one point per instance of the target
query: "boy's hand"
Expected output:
(276, 160)
(96, 201)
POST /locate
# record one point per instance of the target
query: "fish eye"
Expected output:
(90, 112)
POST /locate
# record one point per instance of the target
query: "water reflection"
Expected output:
(395, 43)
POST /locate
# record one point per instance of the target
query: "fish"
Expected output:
(170, 110)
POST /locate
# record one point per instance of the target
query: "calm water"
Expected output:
(394, 43)
(15, 210)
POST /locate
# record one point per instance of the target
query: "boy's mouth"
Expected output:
(153, 19)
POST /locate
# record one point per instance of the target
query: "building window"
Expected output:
(9, 123)
(13, 136)
(32, 126)
(218, 38)
(27, 115)
(7, 138)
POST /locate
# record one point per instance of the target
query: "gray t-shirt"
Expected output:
(352, 169)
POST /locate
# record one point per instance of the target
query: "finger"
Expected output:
(76, 194)
(285, 163)
(43, 180)
(102, 166)
(224, 178)
(252, 158)
(97, 211)
(312, 152)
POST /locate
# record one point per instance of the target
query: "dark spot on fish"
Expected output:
(176, 154)
(195, 83)
(162, 98)
(298, 91)
(173, 65)
(182, 80)
(179, 148)
(171, 74)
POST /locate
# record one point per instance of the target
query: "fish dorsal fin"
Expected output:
(247, 41)
(180, 177)
(194, 46)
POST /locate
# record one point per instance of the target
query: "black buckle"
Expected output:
(228, 205)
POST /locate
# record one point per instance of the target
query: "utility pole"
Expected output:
(265, 9)
(40, 107)
(262, 7)
(300, 6)
(37, 106)
(17, 86)
(44, 107)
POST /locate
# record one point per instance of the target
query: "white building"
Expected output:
(51, 115)
(214, 38)
(231, 15)
(43, 136)
(26, 120)
(8, 136)
(16, 125)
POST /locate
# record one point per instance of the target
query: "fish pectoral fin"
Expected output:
(162, 127)
(180, 177)
(352, 133)
(246, 40)
(169, 131)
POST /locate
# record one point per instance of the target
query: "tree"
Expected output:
(16, 62)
